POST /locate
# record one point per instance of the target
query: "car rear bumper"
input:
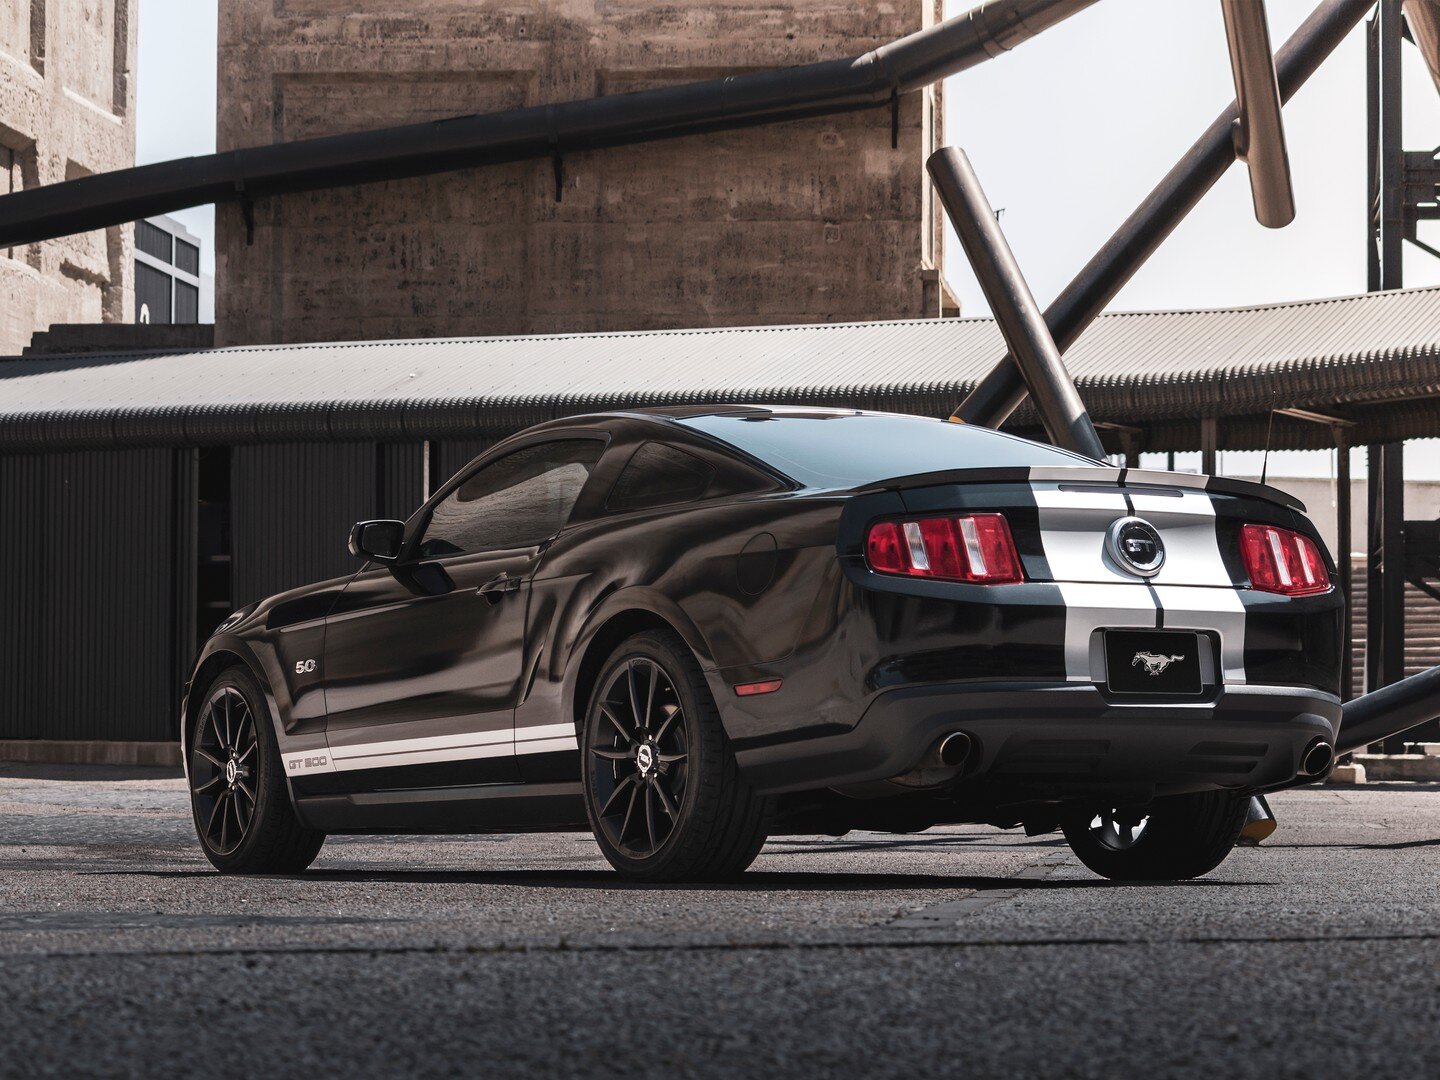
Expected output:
(1058, 740)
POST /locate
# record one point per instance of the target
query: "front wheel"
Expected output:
(665, 798)
(1174, 838)
(238, 795)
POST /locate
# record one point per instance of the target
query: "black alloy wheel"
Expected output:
(664, 795)
(238, 792)
(1174, 838)
(222, 770)
(638, 763)
(1118, 830)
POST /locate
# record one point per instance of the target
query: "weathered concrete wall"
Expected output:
(806, 222)
(67, 109)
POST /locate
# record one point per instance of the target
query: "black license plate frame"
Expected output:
(1154, 662)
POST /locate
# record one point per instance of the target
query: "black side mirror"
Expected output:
(378, 540)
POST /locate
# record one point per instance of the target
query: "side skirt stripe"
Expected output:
(537, 739)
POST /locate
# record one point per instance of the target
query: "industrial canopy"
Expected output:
(1362, 369)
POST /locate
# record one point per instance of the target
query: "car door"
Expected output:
(423, 658)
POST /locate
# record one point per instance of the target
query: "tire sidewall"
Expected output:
(266, 769)
(654, 648)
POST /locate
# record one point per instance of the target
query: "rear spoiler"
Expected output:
(1092, 476)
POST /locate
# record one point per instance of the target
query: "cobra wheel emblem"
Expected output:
(1154, 663)
(645, 759)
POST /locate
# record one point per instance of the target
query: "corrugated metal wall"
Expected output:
(98, 605)
(87, 607)
(292, 506)
(402, 480)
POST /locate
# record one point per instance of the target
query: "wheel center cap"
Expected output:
(232, 772)
(645, 759)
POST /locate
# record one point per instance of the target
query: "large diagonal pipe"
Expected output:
(1391, 710)
(874, 78)
(1259, 131)
(1018, 315)
(1001, 392)
(1423, 16)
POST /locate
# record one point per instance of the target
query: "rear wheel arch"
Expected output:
(598, 646)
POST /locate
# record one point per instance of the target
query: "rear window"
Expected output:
(850, 449)
(659, 475)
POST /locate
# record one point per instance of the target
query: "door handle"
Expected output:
(497, 587)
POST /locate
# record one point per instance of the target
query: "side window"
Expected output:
(519, 500)
(659, 475)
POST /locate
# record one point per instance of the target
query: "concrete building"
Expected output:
(805, 222)
(167, 272)
(67, 109)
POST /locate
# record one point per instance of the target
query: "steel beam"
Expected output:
(1344, 559)
(1002, 390)
(873, 79)
(1018, 315)
(1259, 128)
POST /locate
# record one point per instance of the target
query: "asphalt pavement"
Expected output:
(957, 952)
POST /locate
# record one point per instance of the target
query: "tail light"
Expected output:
(976, 548)
(1282, 561)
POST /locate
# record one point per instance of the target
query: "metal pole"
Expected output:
(1392, 564)
(1344, 561)
(1209, 445)
(1002, 390)
(1056, 399)
(1374, 583)
(1385, 614)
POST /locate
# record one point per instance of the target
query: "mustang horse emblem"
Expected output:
(1154, 663)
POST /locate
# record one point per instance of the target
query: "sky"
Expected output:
(1068, 133)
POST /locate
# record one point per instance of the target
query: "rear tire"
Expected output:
(664, 795)
(1178, 837)
(238, 794)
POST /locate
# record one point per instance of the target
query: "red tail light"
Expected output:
(975, 548)
(1282, 561)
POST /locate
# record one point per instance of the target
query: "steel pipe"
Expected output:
(1014, 307)
(1423, 17)
(1001, 391)
(872, 79)
(1391, 710)
(1259, 130)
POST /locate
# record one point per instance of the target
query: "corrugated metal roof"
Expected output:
(1160, 368)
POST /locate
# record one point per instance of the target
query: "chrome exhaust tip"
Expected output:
(953, 749)
(1317, 759)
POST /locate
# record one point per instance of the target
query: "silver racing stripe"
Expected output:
(541, 739)
(1091, 606)
(1192, 591)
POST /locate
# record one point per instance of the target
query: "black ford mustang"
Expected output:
(691, 628)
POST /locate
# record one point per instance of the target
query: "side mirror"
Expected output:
(378, 540)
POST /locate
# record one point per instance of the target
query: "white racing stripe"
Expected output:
(470, 746)
(1221, 610)
(1193, 589)
(1090, 607)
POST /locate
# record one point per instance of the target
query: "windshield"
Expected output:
(851, 449)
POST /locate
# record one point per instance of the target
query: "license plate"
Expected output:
(1152, 662)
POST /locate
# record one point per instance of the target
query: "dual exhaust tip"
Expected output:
(1317, 759)
(952, 750)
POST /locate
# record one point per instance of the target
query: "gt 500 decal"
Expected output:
(308, 762)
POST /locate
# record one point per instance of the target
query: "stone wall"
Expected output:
(809, 221)
(67, 109)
